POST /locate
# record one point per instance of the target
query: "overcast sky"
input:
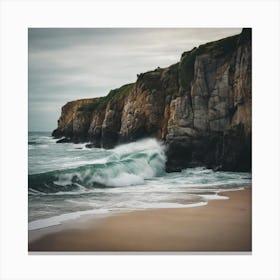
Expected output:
(68, 64)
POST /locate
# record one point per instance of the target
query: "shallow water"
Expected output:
(68, 180)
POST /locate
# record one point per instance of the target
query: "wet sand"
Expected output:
(221, 226)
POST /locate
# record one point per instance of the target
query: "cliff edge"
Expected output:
(200, 107)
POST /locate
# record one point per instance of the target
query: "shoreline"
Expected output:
(219, 226)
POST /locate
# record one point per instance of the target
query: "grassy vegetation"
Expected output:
(222, 46)
(246, 35)
(186, 69)
(218, 48)
(173, 69)
(113, 96)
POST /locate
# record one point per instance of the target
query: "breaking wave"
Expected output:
(127, 165)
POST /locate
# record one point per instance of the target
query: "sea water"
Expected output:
(68, 180)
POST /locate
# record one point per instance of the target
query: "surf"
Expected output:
(126, 165)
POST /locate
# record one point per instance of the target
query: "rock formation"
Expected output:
(200, 107)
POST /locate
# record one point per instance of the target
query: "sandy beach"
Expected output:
(220, 226)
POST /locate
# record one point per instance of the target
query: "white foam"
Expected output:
(213, 197)
(125, 179)
(57, 220)
(118, 208)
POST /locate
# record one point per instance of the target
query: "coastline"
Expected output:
(220, 226)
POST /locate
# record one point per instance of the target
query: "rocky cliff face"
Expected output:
(200, 107)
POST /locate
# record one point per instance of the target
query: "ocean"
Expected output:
(66, 181)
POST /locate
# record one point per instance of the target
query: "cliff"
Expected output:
(200, 107)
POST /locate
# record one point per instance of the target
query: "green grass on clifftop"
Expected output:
(217, 48)
(113, 96)
(186, 69)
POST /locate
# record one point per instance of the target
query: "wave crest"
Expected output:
(129, 164)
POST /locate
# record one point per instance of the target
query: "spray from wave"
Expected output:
(127, 165)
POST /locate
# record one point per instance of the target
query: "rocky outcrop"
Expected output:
(74, 123)
(200, 107)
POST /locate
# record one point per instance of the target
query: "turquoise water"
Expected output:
(68, 180)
